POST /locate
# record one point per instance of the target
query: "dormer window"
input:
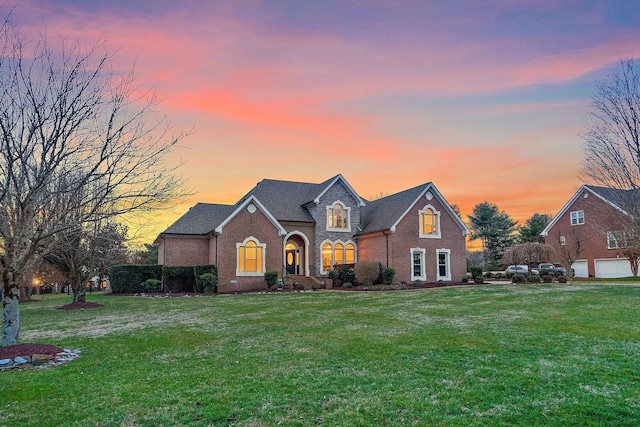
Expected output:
(338, 217)
(429, 222)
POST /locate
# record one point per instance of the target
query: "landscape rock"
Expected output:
(6, 362)
(20, 360)
(39, 359)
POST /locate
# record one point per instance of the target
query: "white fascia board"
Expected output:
(339, 177)
(265, 211)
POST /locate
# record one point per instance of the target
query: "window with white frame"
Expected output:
(444, 264)
(429, 222)
(250, 257)
(563, 240)
(577, 217)
(338, 217)
(337, 253)
(417, 264)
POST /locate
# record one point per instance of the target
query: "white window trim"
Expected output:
(437, 214)
(611, 237)
(347, 211)
(333, 249)
(577, 218)
(422, 252)
(264, 253)
(447, 277)
(563, 241)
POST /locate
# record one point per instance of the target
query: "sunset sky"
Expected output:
(486, 99)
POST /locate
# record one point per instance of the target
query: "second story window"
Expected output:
(429, 222)
(577, 217)
(338, 217)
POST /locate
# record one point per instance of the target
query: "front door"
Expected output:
(292, 254)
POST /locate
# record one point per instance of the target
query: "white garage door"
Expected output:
(581, 268)
(610, 268)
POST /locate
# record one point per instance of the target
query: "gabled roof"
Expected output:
(286, 200)
(318, 192)
(387, 212)
(244, 204)
(611, 196)
(200, 219)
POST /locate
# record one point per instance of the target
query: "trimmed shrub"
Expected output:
(417, 283)
(367, 272)
(153, 285)
(533, 278)
(346, 272)
(388, 274)
(465, 279)
(347, 285)
(209, 283)
(516, 278)
(333, 275)
(547, 278)
(562, 279)
(127, 278)
(271, 279)
(476, 271)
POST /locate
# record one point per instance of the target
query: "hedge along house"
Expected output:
(302, 229)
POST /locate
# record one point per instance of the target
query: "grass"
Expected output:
(534, 355)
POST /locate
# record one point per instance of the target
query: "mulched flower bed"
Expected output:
(27, 350)
(79, 305)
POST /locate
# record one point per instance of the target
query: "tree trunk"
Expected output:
(79, 292)
(634, 265)
(10, 309)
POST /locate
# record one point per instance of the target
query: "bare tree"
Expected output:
(570, 247)
(529, 253)
(78, 144)
(612, 152)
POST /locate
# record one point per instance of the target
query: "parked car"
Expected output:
(517, 269)
(555, 269)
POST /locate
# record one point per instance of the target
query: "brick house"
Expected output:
(588, 228)
(302, 229)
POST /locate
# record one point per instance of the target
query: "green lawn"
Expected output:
(547, 355)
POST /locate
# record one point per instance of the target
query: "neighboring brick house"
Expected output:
(303, 229)
(586, 228)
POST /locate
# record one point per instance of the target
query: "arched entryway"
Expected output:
(296, 254)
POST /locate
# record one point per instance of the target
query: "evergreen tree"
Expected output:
(495, 229)
(530, 231)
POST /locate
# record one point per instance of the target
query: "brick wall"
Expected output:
(406, 236)
(244, 225)
(182, 250)
(599, 217)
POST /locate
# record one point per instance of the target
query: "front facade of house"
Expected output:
(586, 227)
(303, 229)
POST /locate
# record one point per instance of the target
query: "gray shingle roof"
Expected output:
(284, 199)
(624, 199)
(200, 219)
(383, 213)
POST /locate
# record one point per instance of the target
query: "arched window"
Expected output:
(327, 252)
(350, 254)
(338, 253)
(429, 222)
(250, 257)
(338, 217)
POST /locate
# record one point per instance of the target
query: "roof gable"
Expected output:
(251, 200)
(316, 194)
(608, 195)
(387, 212)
